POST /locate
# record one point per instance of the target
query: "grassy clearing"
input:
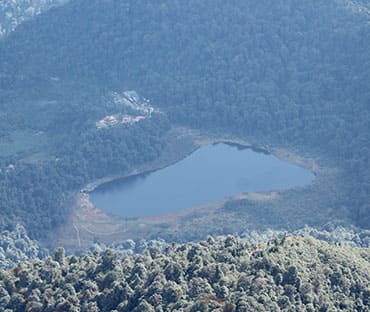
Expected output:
(22, 142)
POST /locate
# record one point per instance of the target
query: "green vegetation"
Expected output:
(287, 74)
(37, 194)
(293, 274)
(16, 247)
(19, 142)
(292, 75)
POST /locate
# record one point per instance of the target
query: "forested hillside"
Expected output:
(293, 274)
(36, 192)
(291, 74)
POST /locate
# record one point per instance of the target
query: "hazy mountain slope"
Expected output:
(227, 275)
(292, 74)
(13, 13)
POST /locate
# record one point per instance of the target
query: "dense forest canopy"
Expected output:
(294, 274)
(294, 74)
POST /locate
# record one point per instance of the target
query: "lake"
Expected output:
(211, 173)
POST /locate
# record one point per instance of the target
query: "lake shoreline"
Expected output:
(282, 154)
(211, 173)
(181, 142)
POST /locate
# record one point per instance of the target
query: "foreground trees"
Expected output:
(300, 274)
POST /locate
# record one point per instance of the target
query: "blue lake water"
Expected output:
(211, 173)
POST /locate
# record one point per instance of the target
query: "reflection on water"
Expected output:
(211, 173)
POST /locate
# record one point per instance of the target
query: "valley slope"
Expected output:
(292, 76)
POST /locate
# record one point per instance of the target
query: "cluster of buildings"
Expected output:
(113, 120)
(133, 101)
(128, 100)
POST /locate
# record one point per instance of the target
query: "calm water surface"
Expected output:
(211, 173)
